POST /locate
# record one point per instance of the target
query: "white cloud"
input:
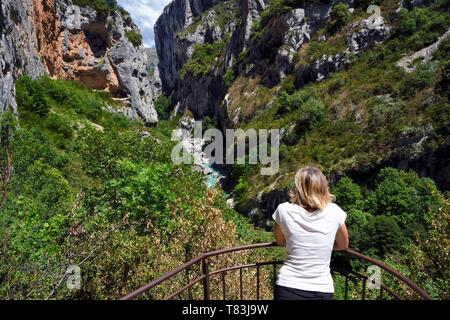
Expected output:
(144, 14)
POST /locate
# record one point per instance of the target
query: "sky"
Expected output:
(144, 14)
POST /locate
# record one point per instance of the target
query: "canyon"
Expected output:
(252, 54)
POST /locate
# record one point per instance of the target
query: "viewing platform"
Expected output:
(355, 284)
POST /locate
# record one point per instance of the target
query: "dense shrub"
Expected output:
(339, 17)
(424, 76)
(304, 108)
(162, 106)
(381, 235)
(31, 95)
(103, 6)
(403, 196)
(134, 37)
(348, 194)
(202, 59)
(229, 77)
(288, 103)
(397, 207)
(425, 261)
(419, 27)
(37, 97)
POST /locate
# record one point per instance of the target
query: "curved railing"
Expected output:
(206, 275)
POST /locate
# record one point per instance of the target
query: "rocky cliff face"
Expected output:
(185, 24)
(270, 54)
(18, 48)
(173, 52)
(63, 40)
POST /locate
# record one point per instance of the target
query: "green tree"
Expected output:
(339, 17)
(349, 196)
(403, 196)
(162, 106)
(426, 261)
(381, 235)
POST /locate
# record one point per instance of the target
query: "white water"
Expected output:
(194, 146)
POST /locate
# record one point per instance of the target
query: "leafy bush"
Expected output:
(145, 193)
(427, 259)
(162, 106)
(419, 27)
(275, 8)
(288, 85)
(202, 59)
(31, 95)
(385, 110)
(339, 17)
(134, 37)
(109, 201)
(57, 124)
(208, 123)
(403, 196)
(316, 50)
(306, 110)
(312, 113)
(439, 115)
(349, 197)
(37, 97)
(423, 77)
(103, 6)
(240, 191)
(48, 188)
(382, 235)
(229, 77)
(288, 103)
(348, 194)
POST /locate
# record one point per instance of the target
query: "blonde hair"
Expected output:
(311, 189)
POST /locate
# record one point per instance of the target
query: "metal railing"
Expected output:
(206, 274)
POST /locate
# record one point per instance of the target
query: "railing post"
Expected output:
(205, 272)
(274, 281)
(240, 282)
(363, 297)
(346, 287)
(224, 289)
(187, 282)
(257, 282)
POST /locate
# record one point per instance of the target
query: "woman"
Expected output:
(310, 226)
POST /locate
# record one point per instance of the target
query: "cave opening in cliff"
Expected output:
(96, 36)
(96, 43)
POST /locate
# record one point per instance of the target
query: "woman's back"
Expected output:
(309, 240)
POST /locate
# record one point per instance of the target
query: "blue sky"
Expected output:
(144, 14)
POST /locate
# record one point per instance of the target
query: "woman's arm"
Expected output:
(341, 241)
(279, 236)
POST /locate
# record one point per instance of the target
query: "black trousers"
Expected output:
(285, 293)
